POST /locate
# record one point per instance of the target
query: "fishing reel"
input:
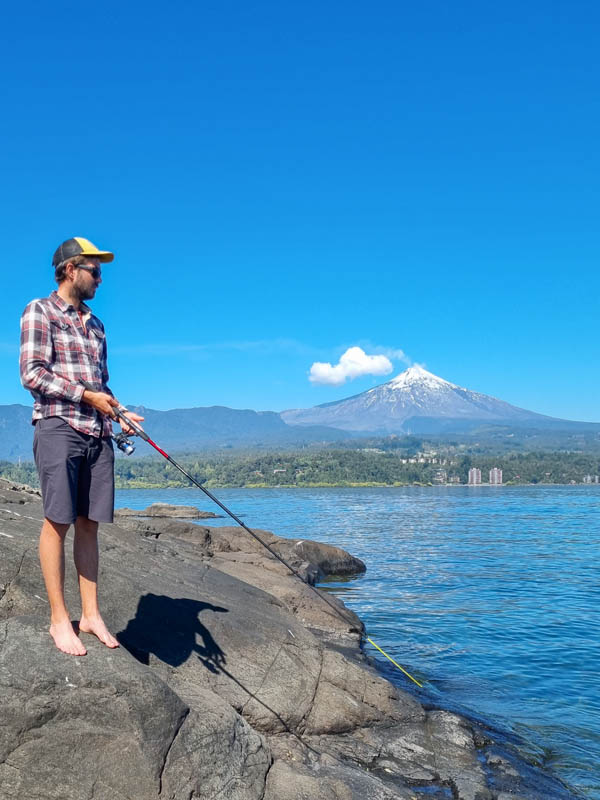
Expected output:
(124, 443)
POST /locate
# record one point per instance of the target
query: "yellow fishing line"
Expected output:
(395, 663)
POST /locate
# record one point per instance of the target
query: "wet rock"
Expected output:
(512, 778)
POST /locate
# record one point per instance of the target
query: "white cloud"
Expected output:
(395, 354)
(352, 364)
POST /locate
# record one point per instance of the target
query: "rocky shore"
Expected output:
(233, 681)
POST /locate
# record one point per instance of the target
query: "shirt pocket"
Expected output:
(97, 339)
(68, 345)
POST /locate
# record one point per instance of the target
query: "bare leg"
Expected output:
(52, 560)
(85, 552)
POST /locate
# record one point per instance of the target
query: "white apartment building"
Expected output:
(474, 476)
(495, 476)
(591, 478)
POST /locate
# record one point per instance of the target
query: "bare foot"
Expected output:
(66, 639)
(96, 626)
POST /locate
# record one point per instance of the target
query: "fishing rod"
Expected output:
(124, 444)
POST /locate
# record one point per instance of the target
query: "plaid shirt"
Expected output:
(57, 352)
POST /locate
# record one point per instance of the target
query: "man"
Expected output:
(63, 344)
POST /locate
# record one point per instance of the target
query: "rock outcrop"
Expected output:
(233, 681)
(166, 510)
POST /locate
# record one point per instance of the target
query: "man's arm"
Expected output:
(132, 415)
(36, 358)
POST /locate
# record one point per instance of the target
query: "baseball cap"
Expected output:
(78, 246)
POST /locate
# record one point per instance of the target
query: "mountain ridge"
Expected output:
(414, 402)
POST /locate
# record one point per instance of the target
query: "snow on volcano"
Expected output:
(414, 393)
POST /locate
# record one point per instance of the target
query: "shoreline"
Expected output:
(348, 485)
(443, 702)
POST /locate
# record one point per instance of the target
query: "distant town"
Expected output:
(495, 477)
(412, 465)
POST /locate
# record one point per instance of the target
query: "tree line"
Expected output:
(336, 467)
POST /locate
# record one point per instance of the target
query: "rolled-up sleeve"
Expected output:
(36, 358)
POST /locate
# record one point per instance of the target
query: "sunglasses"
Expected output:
(95, 272)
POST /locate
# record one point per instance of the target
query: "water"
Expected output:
(488, 593)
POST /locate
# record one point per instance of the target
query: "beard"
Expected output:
(84, 289)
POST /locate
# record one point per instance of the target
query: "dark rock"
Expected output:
(104, 726)
(166, 510)
(17, 493)
(327, 559)
(320, 782)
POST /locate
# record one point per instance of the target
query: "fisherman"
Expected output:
(63, 344)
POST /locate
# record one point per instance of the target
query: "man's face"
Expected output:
(87, 278)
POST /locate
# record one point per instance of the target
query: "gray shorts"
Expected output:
(76, 472)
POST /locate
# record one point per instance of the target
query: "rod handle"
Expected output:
(120, 415)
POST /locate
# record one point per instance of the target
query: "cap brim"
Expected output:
(102, 255)
(87, 248)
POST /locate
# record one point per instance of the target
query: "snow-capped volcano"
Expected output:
(414, 400)
(416, 375)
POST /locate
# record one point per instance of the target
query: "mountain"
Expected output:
(191, 429)
(16, 433)
(181, 429)
(416, 401)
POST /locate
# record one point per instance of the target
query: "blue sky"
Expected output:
(281, 182)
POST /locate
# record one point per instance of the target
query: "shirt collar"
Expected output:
(64, 306)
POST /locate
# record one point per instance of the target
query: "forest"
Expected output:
(337, 467)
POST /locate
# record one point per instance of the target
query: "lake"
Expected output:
(489, 595)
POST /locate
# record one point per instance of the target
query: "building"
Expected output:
(591, 478)
(495, 476)
(474, 476)
(440, 476)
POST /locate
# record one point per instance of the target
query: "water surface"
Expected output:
(490, 594)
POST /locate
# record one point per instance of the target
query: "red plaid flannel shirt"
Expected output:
(56, 354)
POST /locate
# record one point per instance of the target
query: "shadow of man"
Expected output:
(168, 628)
(171, 630)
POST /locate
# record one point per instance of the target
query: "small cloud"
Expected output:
(352, 364)
(395, 354)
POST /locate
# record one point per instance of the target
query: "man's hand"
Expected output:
(102, 402)
(134, 418)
